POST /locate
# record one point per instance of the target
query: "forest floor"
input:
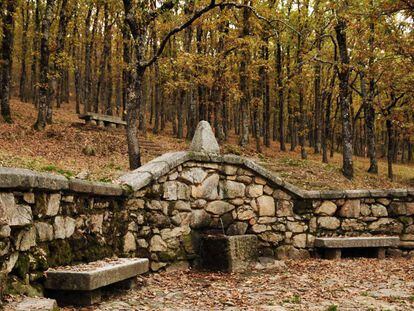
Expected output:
(326, 285)
(60, 149)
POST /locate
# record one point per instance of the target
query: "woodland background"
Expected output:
(316, 76)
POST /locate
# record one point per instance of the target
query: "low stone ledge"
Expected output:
(332, 194)
(20, 178)
(97, 188)
(357, 242)
(89, 277)
(30, 304)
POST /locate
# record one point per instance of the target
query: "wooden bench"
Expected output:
(332, 247)
(102, 120)
(81, 284)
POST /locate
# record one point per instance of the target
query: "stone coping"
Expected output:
(19, 178)
(160, 166)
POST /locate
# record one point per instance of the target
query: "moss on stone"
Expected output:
(60, 253)
(22, 266)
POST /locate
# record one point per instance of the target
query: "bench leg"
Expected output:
(93, 122)
(332, 253)
(380, 253)
(112, 125)
(101, 124)
(127, 284)
(75, 298)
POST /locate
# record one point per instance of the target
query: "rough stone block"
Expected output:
(228, 253)
(204, 139)
(32, 304)
(266, 205)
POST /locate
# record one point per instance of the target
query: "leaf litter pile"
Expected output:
(348, 284)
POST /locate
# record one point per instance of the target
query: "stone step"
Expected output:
(94, 275)
(33, 304)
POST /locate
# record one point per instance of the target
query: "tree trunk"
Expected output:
(280, 91)
(44, 87)
(8, 10)
(23, 71)
(343, 74)
(244, 87)
(390, 147)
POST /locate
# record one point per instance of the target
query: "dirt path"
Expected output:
(352, 284)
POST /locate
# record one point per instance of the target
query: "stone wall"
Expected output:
(160, 210)
(47, 221)
(233, 195)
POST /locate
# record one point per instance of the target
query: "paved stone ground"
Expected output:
(349, 284)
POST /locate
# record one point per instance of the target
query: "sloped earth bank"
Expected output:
(348, 284)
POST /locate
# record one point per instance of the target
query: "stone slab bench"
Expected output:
(332, 247)
(102, 120)
(82, 284)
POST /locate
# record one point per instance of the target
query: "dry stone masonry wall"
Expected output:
(160, 210)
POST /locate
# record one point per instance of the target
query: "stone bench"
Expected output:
(102, 120)
(82, 284)
(332, 247)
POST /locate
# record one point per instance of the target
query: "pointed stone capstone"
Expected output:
(204, 139)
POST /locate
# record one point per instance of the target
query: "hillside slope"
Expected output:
(69, 147)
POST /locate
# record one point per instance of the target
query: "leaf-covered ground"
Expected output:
(348, 284)
(60, 149)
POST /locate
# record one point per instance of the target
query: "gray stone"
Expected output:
(5, 231)
(13, 214)
(157, 244)
(330, 223)
(230, 169)
(44, 231)
(204, 139)
(208, 189)
(199, 219)
(351, 209)
(259, 228)
(271, 237)
(365, 210)
(281, 195)
(356, 242)
(36, 303)
(174, 190)
(64, 227)
(254, 191)
(379, 210)
(97, 276)
(182, 206)
(237, 228)
(48, 205)
(194, 175)
(290, 252)
(230, 189)
(327, 208)
(284, 208)
(26, 239)
(266, 205)
(300, 240)
(386, 225)
(29, 197)
(245, 213)
(398, 208)
(219, 207)
(352, 225)
(266, 220)
(20, 216)
(96, 223)
(295, 227)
